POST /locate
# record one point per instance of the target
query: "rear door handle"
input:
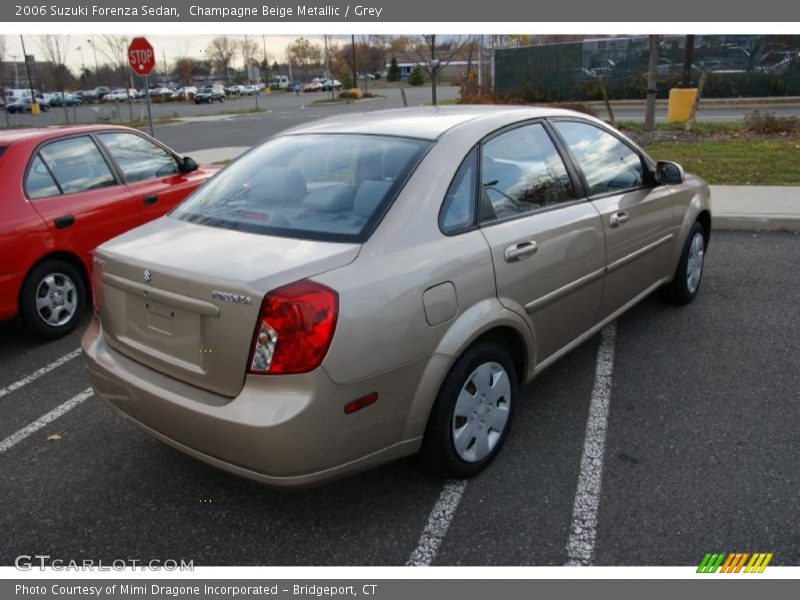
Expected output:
(520, 251)
(618, 218)
(64, 221)
(150, 200)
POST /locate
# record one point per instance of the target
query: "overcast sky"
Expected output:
(173, 46)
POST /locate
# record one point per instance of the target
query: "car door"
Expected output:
(152, 173)
(546, 240)
(73, 188)
(637, 215)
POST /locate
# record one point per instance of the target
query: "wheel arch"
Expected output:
(69, 257)
(486, 321)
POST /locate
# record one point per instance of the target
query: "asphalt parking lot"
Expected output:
(700, 454)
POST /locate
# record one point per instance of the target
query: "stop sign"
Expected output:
(141, 56)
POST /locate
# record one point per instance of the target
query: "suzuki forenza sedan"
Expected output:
(357, 289)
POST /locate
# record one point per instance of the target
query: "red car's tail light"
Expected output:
(294, 329)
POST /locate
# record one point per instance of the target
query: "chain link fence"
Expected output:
(736, 66)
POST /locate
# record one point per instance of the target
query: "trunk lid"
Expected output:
(184, 298)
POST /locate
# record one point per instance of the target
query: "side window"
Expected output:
(77, 165)
(38, 182)
(608, 164)
(522, 171)
(139, 159)
(458, 209)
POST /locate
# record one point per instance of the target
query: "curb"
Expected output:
(755, 222)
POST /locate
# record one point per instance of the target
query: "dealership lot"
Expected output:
(700, 454)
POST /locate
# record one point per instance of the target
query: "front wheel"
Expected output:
(472, 414)
(52, 300)
(686, 283)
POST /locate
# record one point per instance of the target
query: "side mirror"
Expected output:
(188, 165)
(669, 172)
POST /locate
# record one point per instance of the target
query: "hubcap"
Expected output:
(694, 266)
(56, 299)
(481, 412)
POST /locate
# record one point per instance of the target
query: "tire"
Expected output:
(684, 286)
(471, 409)
(50, 316)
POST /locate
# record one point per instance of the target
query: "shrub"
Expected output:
(771, 124)
(349, 95)
(394, 71)
(416, 77)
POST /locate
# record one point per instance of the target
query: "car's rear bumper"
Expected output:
(283, 431)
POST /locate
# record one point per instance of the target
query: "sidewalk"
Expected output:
(771, 208)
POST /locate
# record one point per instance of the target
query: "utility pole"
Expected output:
(96, 65)
(353, 48)
(688, 54)
(480, 62)
(652, 72)
(28, 70)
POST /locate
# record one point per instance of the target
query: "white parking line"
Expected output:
(38, 373)
(438, 523)
(16, 438)
(583, 531)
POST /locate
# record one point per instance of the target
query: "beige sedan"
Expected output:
(361, 288)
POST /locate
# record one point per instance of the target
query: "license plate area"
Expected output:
(165, 332)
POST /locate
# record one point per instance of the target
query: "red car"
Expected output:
(63, 191)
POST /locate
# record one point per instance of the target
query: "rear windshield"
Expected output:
(2, 150)
(332, 187)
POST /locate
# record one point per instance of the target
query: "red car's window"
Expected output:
(39, 183)
(138, 159)
(77, 165)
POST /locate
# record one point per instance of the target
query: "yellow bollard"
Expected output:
(356, 91)
(680, 104)
(35, 108)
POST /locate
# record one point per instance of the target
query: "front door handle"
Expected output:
(150, 200)
(618, 218)
(520, 251)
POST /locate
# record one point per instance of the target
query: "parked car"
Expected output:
(331, 84)
(160, 92)
(120, 95)
(100, 91)
(25, 104)
(185, 93)
(234, 90)
(86, 96)
(209, 94)
(65, 99)
(65, 190)
(248, 90)
(352, 283)
(313, 86)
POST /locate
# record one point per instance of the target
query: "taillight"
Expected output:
(294, 329)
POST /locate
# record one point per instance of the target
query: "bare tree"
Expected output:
(115, 51)
(250, 51)
(433, 55)
(3, 75)
(54, 48)
(304, 54)
(221, 52)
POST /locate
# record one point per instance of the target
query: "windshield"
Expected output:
(332, 187)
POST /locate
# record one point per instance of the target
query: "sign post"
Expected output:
(142, 59)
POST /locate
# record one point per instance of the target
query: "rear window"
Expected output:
(332, 187)
(2, 150)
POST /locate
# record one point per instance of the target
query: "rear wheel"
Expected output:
(472, 414)
(52, 299)
(686, 283)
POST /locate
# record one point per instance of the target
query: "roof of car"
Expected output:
(10, 136)
(424, 122)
